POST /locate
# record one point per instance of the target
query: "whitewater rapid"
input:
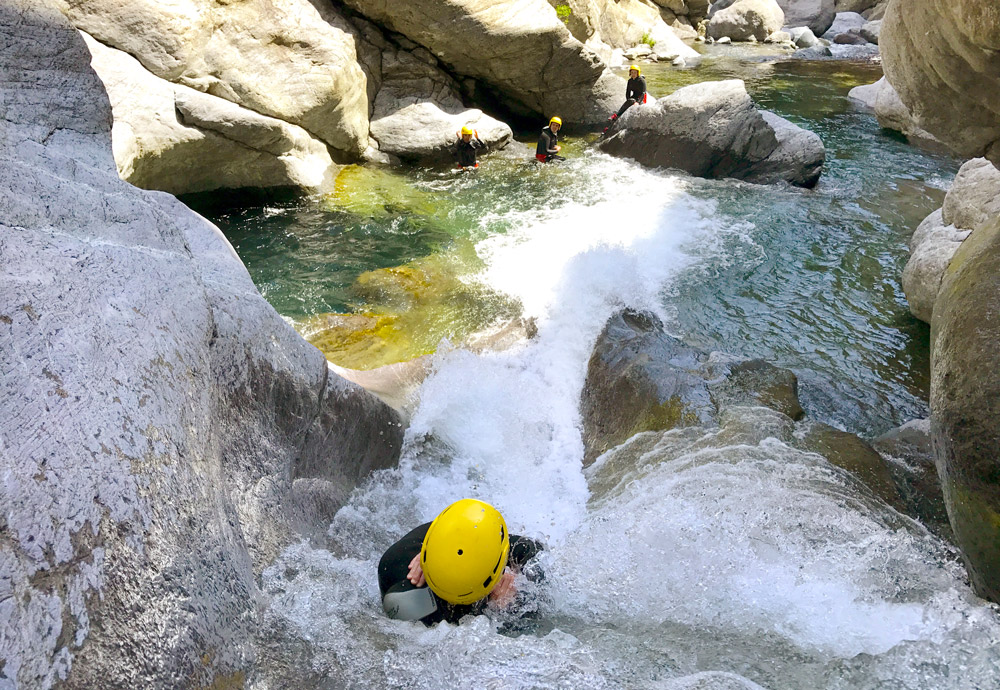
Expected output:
(699, 550)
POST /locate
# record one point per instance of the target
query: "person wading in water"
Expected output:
(548, 142)
(465, 148)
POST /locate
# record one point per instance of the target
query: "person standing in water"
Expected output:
(465, 148)
(454, 566)
(548, 142)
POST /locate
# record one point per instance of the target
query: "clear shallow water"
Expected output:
(723, 550)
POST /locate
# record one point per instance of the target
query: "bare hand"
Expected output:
(503, 593)
(558, 147)
(416, 574)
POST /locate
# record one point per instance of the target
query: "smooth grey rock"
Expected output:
(724, 40)
(862, 51)
(892, 114)
(843, 23)
(870, 31)
(713, 129)
(974, 196)
(803, 37)
(638, 51)
(747, 19)
(165, 433)
(175, 139)
(855, 6)
(779, 37)
(622, 25)
(965, 402)
(718, 6)
(519, 48)
(849, 39)
(931, 249)
(293, 60)
(866, 95)
(817, 15)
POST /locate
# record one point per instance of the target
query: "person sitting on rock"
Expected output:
(548, 142)
(635, 90)
(454, 566)
(465, 148)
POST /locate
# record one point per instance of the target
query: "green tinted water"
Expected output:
(808, 279)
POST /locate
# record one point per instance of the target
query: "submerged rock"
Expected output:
(747, 19)
(166, 433)
(941, 56)
(714, 130)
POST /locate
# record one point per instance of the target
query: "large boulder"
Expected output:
(855, 6)
(714, 130)
(818, 15)
(518, 48)
(943, 57)
(625, 23)
(176, 139)
(747, 19)
(295, 60)
(972, 201)
(965, 402)
(165, 433)
(889, 109)
(843, 23)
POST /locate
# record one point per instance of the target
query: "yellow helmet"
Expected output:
(636, 68)
(467, 130)
(556, 119)
(465, 551)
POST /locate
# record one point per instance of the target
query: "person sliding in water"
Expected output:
(635, 92)
(453, 566)
(465, 148)
(548, 142)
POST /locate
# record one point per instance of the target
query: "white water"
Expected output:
(708, 550)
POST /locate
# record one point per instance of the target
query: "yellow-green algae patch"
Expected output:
(408, 310)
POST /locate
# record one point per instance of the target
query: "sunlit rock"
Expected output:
(713, 129)
(817, 15)
(747, 19)
(165, 432)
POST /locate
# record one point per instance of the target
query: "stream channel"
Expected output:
(701, 552)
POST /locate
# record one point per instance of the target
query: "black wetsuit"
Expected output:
(546, 149)
(635, 92)
(395, 565)
(465, 152)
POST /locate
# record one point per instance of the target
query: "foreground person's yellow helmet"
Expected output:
(556, 119)
(467, 130)
(465, 551)
(636, 68)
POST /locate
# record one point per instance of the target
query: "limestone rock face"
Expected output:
(746, 19)
(965, 402)
(972, 201)
(519, 48)
(295, 61)
(172, 138)
(165, 433)
(818, 15)
(943, 57)
(624, 24)
(713, 129)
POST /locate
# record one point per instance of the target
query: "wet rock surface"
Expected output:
(165, 433)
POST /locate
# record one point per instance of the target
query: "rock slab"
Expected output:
(746, 20)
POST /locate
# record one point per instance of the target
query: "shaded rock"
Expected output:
(849, 39)
(746, 19)
(965, 402)
(714, 130)
(173, 138)
(931, 250)
(305, 73)
(849, 452)
(942, 58)
(817, 15)
(843, 23)
(803, 37)
(892, 114)
(870, 31)
(166, 433)
(756, 382)
(817, 52)
(910, 454)
(855, 6)
(640, 379)
(518, 48)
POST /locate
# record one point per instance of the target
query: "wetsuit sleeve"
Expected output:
(522, 550)
(395, 563)
(543, 144)
(642, 89)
